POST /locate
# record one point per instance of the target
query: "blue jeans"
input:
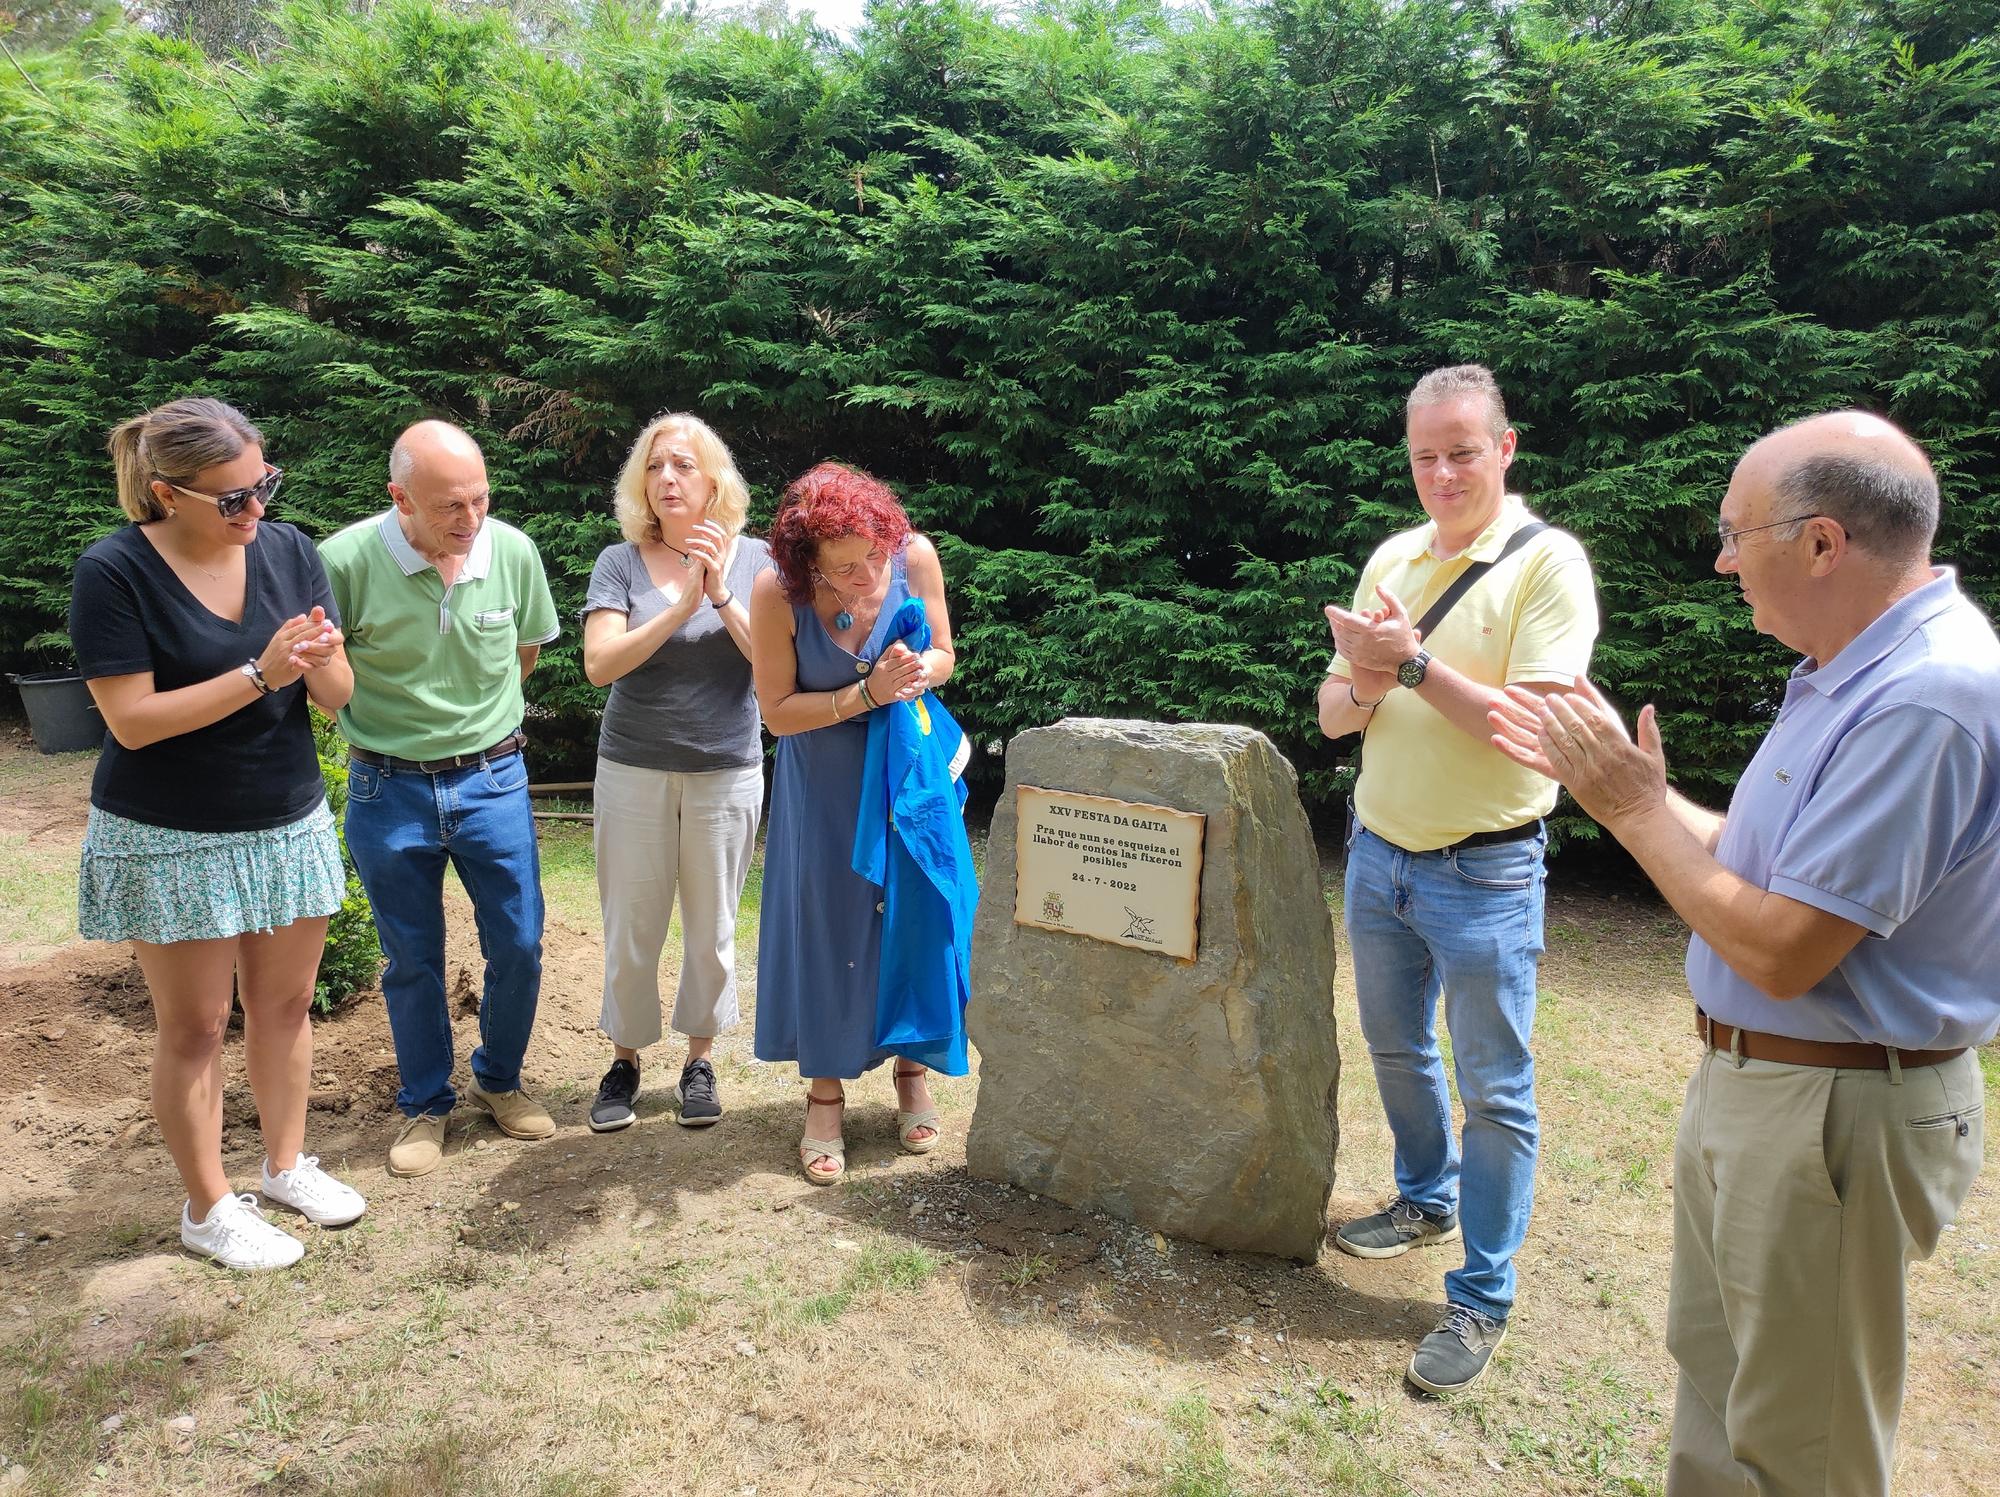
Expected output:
(1468, 924)
(402, 827)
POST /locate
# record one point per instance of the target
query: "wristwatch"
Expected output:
(1412, 671)
(251, 669)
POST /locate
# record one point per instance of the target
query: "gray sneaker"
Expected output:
(1392, 1233)
(1455, 1355)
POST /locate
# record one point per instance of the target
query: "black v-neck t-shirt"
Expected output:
(129, 613)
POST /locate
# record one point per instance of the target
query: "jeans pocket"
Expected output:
(1502, 865)
(507, 775)
(364, 781)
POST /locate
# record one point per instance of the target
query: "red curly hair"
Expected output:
(830, 502)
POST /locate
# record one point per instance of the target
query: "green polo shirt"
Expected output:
(436, 671)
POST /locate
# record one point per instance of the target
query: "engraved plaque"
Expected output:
(1112, 870)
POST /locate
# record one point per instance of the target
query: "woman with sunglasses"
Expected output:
(202, 628)
(844, 562)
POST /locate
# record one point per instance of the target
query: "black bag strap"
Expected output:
(1434, 615)
(1462, 584)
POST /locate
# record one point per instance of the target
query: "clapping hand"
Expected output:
(318, 646)
(1363, 682)
(900, 675)
(1576, 738)
(1375, 639)
(707, 548)
(285, 656)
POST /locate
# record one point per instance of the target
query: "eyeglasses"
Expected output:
(234, 502)
(1725, 538)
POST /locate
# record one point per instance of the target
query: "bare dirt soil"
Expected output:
(668, 1307)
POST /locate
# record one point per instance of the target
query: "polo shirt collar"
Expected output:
(477, 562)
(1488, 543)
(1891, 627)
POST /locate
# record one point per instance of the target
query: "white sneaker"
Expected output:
(236, 1236)
(313, 1193)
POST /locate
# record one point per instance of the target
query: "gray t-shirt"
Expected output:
(689, 707)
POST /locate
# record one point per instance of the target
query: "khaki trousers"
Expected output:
(658, 833)
(1801, 1195)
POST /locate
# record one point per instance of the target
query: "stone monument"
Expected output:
(1193, 1094)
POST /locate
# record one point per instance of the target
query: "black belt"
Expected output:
(513, 743)
(1519, 833)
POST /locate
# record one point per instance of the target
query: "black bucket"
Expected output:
(61, 715)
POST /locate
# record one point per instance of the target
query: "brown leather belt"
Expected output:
(1846, 1056)
(513, 743)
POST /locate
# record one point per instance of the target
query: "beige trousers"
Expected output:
(658, 833)
(1801, 1195)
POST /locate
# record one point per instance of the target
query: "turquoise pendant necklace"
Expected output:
(845, 618)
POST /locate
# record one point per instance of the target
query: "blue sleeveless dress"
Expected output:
(819, 932)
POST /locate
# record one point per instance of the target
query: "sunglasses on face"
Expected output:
(234, 502)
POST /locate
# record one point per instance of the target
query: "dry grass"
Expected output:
(666, 1308)
(42, 803)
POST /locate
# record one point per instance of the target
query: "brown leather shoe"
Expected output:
(518, 1114)
(419, 1148)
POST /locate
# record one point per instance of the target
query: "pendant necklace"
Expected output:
(845, 618)
(687, 561)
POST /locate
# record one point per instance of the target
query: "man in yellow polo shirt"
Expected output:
(1444, 858)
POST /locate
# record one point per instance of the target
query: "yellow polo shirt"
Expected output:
(1424, 784)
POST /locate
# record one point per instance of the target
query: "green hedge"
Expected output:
(353, 956)
(1123, 300)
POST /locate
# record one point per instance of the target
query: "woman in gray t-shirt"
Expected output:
(680, 765)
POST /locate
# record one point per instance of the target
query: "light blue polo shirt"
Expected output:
(1876, 797)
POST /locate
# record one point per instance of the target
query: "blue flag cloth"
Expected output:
(910, 839)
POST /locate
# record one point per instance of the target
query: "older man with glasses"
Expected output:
(1841, 965)
(446, 611)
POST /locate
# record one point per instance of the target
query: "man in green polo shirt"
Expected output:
(445, 612)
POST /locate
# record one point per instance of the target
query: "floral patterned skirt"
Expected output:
(152, 883)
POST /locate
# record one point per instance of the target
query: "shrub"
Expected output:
(352, 961)
(1123, 299)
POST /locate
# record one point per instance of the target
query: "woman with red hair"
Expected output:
(845, 561)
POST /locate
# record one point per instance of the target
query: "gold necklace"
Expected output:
(211, 576)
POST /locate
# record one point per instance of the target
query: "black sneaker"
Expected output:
(1455, 1355)
(1391, 1233)
(700, 1104)
(613, 1108)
